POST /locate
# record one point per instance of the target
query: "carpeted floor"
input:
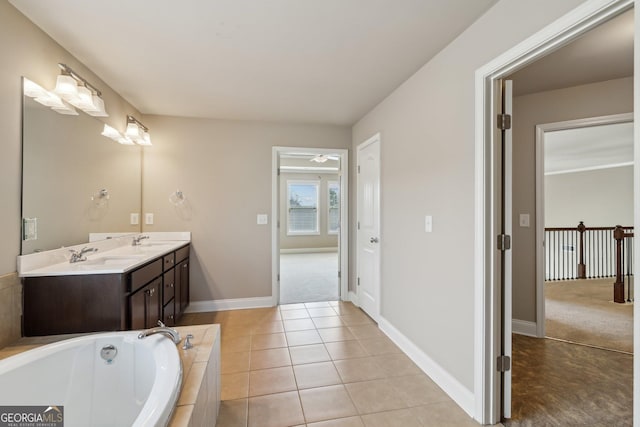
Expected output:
(309, 277)
(583, 311)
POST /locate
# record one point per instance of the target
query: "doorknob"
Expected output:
(374, 240)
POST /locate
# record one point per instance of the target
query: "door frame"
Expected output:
(343, 236)
(487, 287)
(371, 140)
(541, 129)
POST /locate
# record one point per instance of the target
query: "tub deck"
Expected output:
(199, 398)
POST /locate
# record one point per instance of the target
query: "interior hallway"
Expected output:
(321, 364)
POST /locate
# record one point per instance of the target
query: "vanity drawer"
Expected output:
(169, 261)
(182, 253)
(145, 274)
(169, 282)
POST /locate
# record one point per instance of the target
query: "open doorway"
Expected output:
(490, 295)
(585, 190)
(309, 235)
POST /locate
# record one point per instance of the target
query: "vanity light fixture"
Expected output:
(77, 91)
(135, 133)
(46, 98)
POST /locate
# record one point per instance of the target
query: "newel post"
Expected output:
(618, 286)
(582, 267)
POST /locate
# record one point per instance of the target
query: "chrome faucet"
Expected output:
(161, 329)
(77, 256)
(138, 239)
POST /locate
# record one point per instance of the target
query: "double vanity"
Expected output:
(119, 283)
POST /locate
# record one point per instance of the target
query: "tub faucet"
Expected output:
(138, 239)
(77, 256)
(161, 329)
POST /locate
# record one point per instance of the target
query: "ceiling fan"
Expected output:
(321, 158)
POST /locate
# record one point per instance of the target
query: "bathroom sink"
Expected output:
(153, 247)
(110, 260)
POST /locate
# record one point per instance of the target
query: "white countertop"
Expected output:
(114, 256)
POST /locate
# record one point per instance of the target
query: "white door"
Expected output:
(368, 227)
(506, 254)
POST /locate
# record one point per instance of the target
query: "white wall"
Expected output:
(224, 169)
(427, 160)
(600, 198)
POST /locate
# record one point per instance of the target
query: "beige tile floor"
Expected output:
(322, 364)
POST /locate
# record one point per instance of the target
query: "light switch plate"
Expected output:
(148, 219)
(262, 219)
(135, 218)
(524, 220)
(30, 229)
(428, 224)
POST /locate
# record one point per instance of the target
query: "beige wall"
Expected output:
(322, 240)
(600, 198)
(598, 99)
(427, 161)
(28, 52)
(224, 169)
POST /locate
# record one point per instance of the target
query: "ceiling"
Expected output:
(314, 61)
(588, 148)
(604, 53)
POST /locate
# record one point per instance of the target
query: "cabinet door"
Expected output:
(154, 302)
(184, 285)
(145, 306)
(168, 314)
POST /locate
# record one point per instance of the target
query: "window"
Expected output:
(302, 209)
(334, 207)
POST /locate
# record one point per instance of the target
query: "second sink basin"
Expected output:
(111, 260)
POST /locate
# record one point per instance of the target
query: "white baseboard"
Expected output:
(353, 297)
(229, 304)
(307, 250)
(524, 327)
(458, 392)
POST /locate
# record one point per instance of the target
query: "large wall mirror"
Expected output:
(74, 180)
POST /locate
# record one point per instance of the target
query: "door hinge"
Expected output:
(504, 121)
(358, 281)
(504, 363)
(358, 225)
(358, 168)
(504, 242)
(278, 277)
(278, 171)
(278, 224)
(339, 274)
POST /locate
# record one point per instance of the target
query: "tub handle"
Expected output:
(187, 343)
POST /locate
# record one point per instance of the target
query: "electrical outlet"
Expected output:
(135, 218)
(148, 219)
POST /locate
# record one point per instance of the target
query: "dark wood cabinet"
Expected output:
(145, 307)
(137, 299)
(181, 291)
